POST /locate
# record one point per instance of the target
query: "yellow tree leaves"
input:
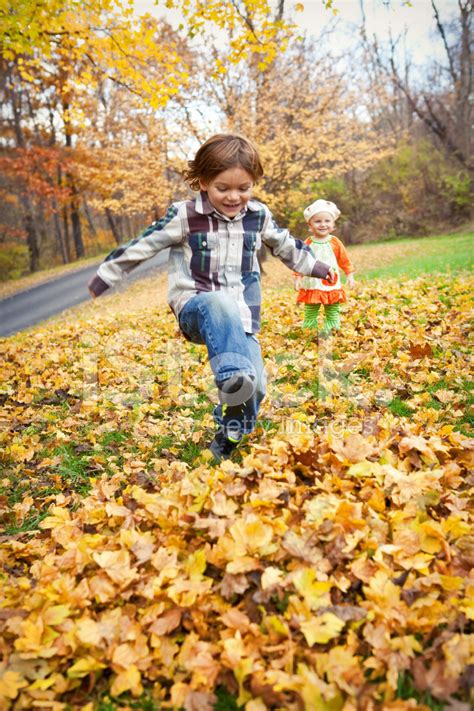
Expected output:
(110, 39)
(254, 27)
(89, 43)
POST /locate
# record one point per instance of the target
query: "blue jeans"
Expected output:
(213, 318)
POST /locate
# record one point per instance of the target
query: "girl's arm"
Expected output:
(166, 232)
(343, 260)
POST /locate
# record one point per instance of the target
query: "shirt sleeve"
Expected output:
(294, 253)
(341, 256)
(164, 233)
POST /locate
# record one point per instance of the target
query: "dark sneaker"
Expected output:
(222, 447)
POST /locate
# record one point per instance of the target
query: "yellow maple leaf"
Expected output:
(117, 566)
(320, 630)
(56, 614)
(83, 667)
(196, 564)
(59, 518)
(10, 684)
(88, 632)
(271, 576)
(252, 534)
(315, 592)
(128, 680)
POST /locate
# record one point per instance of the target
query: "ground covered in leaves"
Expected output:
(327, 567)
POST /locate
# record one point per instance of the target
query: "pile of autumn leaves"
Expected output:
(316, 573)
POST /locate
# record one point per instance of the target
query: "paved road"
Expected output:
(30, 307)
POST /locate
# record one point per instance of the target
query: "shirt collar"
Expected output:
(318, 240)
(205, 207)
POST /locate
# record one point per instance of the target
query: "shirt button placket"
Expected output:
(232, 252)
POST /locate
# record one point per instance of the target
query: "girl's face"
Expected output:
(229, 191)
(321, 224)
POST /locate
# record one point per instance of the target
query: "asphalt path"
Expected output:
(29, 307)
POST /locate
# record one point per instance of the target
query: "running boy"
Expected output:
(214, 275)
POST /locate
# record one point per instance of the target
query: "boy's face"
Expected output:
(321, 224)
(229, 191)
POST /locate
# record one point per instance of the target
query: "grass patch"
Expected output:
(400, 408)
(164, 443)
(429, 254)
(30, 523)
(406, 690)
(434, 404)
(225, 701)
(363, 372)
(110, 439)
(144, 703)
(74, 468)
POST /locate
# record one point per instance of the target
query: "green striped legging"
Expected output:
(332, 316)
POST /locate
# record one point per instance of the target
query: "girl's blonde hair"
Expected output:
(220, 152)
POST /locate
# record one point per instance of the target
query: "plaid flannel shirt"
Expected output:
(211, 252)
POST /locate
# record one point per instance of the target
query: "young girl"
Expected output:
(214, 275)
(321, 217)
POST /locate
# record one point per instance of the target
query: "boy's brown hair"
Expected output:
(220, 152)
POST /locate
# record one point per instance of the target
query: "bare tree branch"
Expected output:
(441, 31)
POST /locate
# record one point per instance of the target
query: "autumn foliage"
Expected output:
(327, 567)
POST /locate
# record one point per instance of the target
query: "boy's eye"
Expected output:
(242, 188)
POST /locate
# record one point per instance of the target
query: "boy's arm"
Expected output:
(294, 253)
(166, 232)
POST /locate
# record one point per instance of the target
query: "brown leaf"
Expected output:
(236, 619)
(420, 350)
(433, 678)
(199, 701)
(167, 622)
(233, 585)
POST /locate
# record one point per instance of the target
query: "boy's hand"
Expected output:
(94, 296)
(331, 276)
(298, 283)
(350, 280)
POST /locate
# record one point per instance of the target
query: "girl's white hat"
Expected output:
(321, 206)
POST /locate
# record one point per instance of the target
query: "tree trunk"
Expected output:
(67, 239)
(31, 233)
(75, 216)
(59, 235)
(27, 207)
(67, 235)
(89, 219)
(76, 219)
(112, 225)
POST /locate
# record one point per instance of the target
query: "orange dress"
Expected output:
(319, 291)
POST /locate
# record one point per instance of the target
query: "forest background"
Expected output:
(102, 104)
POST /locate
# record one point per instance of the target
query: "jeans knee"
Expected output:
(220, 306)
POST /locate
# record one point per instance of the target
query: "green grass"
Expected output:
(30, 523)
(74, 468)
(436, 254)
(225, 701)
(400, 408)
(406, 690)
(144, 703)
